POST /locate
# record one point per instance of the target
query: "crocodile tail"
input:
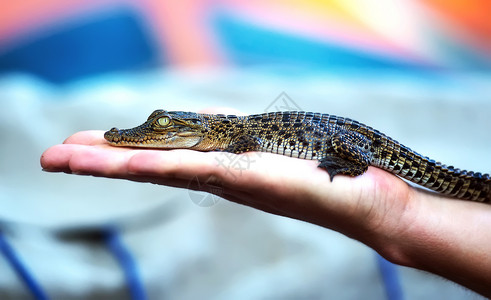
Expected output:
(462, 184)
(450, 181)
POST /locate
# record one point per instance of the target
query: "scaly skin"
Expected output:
(341, 145)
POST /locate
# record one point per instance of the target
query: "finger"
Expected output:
(57, 158)
(101, 161)
(85, 159)
(90, 137)
(179, 163)
(244, 171)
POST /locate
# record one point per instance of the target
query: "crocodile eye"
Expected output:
(164, 121)
(155, 113)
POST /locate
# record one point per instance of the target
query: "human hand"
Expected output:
(277, 184)
(405, 224)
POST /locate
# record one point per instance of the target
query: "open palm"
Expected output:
(405, 224)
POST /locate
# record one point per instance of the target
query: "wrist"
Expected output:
(444, 236)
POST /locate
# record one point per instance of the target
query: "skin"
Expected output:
(405, 224)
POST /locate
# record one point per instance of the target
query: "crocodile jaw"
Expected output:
(165, 140)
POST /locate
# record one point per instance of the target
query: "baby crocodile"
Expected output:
(341, 145)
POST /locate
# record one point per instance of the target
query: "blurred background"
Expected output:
(416, 70)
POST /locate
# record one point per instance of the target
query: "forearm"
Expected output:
(448, 237)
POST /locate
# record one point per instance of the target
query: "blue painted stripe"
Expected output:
(127, 263)
(390, 278)
(21, 269)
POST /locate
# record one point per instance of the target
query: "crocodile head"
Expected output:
(163, 129)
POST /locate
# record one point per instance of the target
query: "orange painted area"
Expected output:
(470, 20)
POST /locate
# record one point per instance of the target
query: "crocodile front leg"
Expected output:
(349, 154)
(244, 143)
